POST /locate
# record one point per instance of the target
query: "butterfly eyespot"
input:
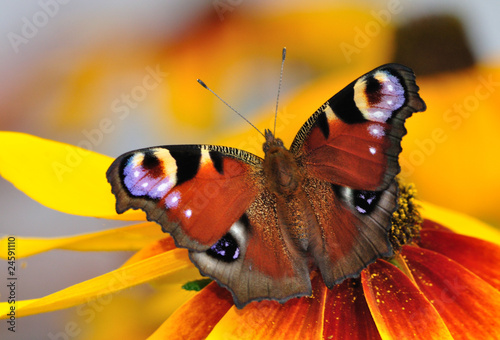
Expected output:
(362, 201)
(226, 249)
(379, 95)
(365, 201)
(150, 161)
(372, 90)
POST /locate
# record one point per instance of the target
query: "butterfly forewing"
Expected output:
(354, 139)
(195, 192)
(212, 201)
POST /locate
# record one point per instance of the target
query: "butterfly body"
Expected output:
(260, 226)
(282, 174)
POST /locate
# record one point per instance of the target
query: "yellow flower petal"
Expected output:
(155, 248)
(60, 176)
(456, 141)
(124, 277)
(459, 222)
(132, 237)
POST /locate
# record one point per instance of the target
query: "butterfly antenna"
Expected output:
(283, 55)
(229, 106)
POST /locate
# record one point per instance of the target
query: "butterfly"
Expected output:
(259, 227)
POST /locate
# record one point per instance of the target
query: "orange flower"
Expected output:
(443, 285)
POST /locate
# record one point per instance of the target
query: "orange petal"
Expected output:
(469, 306)
(399, 308)
(480, 257)
(347, 315)
(299, 318)
(196, 318)
(116, 280)
(60, 176)
(133, 237)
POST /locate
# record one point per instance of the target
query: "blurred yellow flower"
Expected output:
(222, 52)
(455, 140)
(450, 150)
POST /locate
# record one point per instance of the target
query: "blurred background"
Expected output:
(121, 75)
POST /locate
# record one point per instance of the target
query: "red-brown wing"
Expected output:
(353, 228)
(353, 140)
(195, 192)
(257, 259)
(349, 151)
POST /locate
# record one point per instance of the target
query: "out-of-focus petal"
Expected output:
(480, 257)
(221, 54)
(295, 319)
(469, 306)
(169, 291)
(347, 315)
(197, 317)
(152, 249)
(116, 280)
(60, 176)
(132, 237)
(456, 140)
(177, 278)
(399, 308)
(459, 222)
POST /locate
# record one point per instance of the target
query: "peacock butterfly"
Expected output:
(260, 226)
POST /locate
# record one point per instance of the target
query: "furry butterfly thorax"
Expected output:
(260, 226)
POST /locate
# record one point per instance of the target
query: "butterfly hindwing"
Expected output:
(354, 139)
(353, 228)
(257, 259)
(195, 192)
